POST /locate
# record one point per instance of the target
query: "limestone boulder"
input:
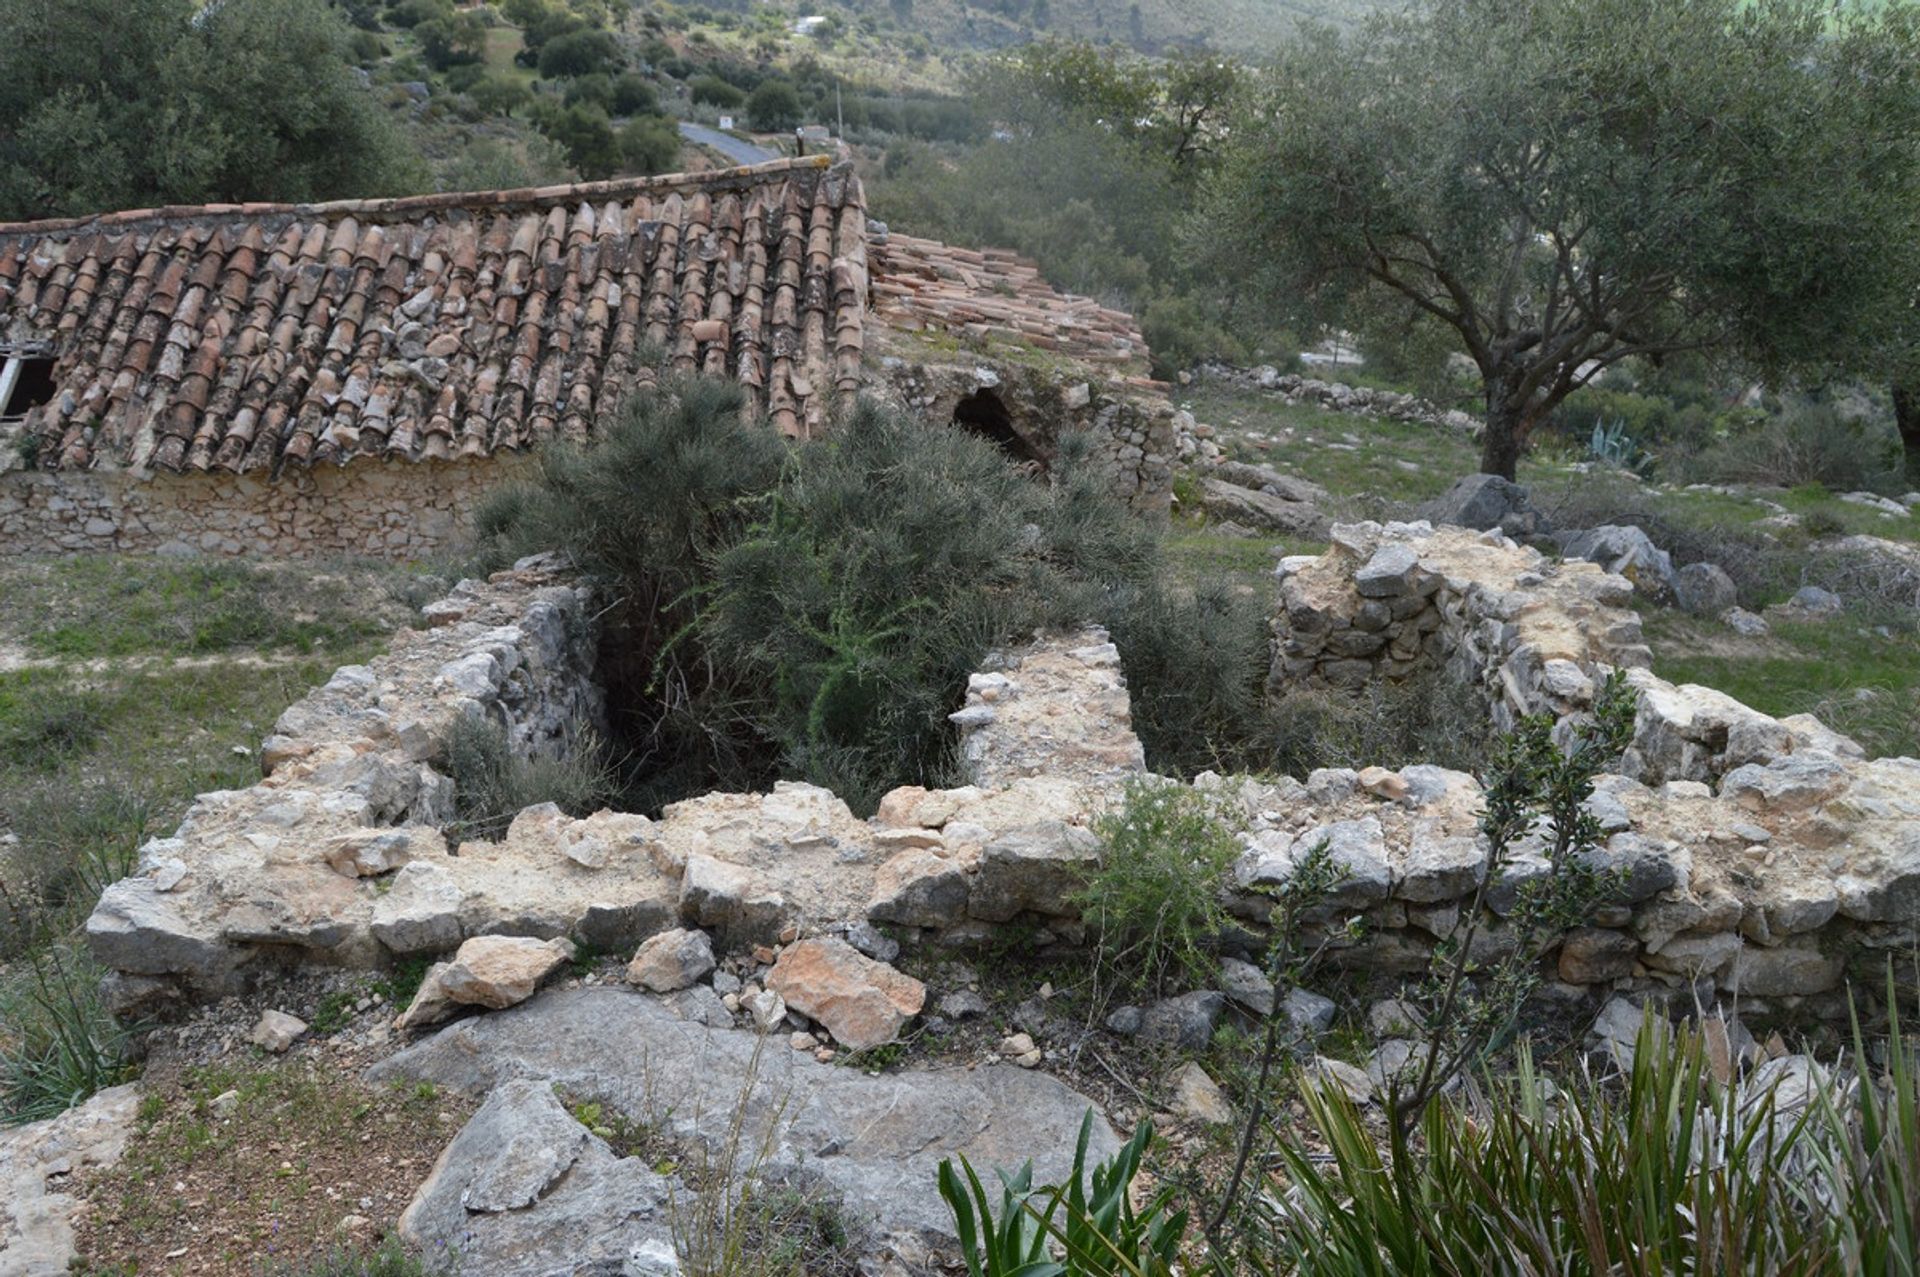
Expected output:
(861, 1002)
(671, 961)
(919, 887)
(1038, 868)
(498, 971)
(1704, 589)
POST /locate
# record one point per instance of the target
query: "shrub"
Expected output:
(633, 95)
(816, 611)
(1807, 442)
(650, 144)
(492, 784)
(711, 90)
(774, 106)
(1154, 903)
(579, 53)
(74, 842)
(58, 1044)
(41, 725)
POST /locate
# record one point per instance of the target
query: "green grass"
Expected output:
(103, 606)
(1853, 677)
(1371, 465)
(1196, 553)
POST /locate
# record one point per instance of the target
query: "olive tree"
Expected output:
(131, 103)
(1565, 184)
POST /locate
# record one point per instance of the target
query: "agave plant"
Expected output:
(1087, 1227)
(1611, 445)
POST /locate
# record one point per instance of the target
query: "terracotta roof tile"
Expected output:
(923, 284)
(256, 336)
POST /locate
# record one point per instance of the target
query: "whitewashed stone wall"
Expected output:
(387, 510)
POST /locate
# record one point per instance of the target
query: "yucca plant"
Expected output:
(1089, 1222)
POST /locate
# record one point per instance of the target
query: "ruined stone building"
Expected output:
(351, 376)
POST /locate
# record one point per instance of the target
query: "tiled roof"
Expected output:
(992, 293)
(254, 337)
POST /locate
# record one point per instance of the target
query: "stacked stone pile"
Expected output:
(1532, 634)
(1337, 396)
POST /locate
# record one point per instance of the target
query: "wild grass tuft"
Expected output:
(492, 784)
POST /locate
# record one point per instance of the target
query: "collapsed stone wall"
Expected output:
(1134, 435)
(1770, 881)
(391, 510)
(291, 867)
(1533, 635)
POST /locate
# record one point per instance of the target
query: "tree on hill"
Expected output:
(773, 106)
(1570, 183)
(110, 104)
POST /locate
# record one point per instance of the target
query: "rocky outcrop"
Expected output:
(524, 1174)
(41, 1164)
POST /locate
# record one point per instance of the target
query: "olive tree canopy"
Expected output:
(1569, 183)
(108, 104)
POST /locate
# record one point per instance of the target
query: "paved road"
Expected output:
(727, 144)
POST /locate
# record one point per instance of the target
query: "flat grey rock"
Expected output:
(874, 1142)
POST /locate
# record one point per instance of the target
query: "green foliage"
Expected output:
(816, 612)
(1090, 1221)
(579, 53)
(1536, 793)
(1088, 159)
(492, 784)
(586, 134)
(58, 1044)
(711, 90)
(74, 841)
(44, 728)
(650, 144)
(1155, 902)
(1673, 1171)
(458, 40)
(137, 103)
(634, 95)
(500, 95)
(774, 106)
(1611, 445)
(1450, 157)
(1806, 441)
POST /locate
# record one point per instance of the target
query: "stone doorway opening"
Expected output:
(983, 413)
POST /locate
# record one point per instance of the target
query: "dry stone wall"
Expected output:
(1787, 862)
(397, 510)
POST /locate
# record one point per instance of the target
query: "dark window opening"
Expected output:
(30, 384)
(982, 413)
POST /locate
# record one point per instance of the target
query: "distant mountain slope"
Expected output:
(1244, 26)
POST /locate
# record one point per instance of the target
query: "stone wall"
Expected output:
(354, 788)
(1777, 873)
(1532, 634)
(391, 510)
(1133, 434)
